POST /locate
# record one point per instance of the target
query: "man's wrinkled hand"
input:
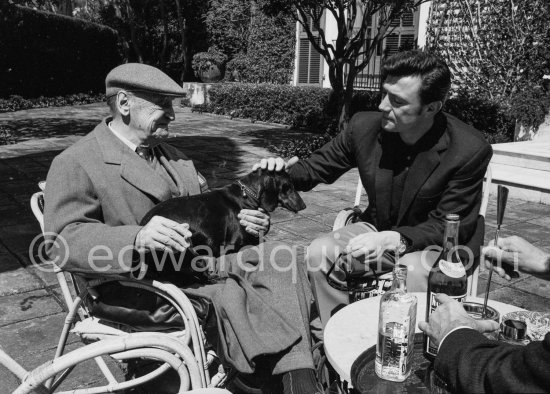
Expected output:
(255, 222)
(516, 253)
(449, 315)
(275, 164)
(163, 234)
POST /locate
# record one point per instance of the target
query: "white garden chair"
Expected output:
(107, 337)
(153, 346)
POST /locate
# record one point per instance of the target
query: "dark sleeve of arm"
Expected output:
(472, 363)
(327, 163)
(77, 239)
(462, 196)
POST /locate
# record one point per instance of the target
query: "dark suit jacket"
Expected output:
(445, 178)
(471, 363)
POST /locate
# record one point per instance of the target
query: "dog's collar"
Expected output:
(250, 198)
(247, 192)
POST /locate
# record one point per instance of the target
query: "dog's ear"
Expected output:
(269, 193)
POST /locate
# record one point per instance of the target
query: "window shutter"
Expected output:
(309, 63)
(303, 61)
(407, 42)
(314, 65)
(408, 19)
(392, 44)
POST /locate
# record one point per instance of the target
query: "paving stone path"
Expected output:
(31, 307)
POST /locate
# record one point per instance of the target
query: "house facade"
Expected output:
(311, 69)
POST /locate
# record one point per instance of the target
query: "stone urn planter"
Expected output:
(209, 66)
(211, 73)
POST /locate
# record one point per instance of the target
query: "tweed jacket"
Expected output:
(98, 190)
(445, 178)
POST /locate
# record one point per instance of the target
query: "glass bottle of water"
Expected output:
(396, 324)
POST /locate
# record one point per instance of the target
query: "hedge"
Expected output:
(17, 103)
(296, 106)
(490, 117)
(310, 108)
(47, 54)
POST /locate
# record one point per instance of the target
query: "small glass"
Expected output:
(475, 311)
(514, 332)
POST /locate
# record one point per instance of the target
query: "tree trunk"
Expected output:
(165, 33)
(345, 112)
(186, 56)
(133, 33)
(341, 95)
(135, 43)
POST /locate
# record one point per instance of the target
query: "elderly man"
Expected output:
(416, 163)
(99, 189)
(467, 360)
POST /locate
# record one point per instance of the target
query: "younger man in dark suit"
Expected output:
(471, 363)
(416, 164)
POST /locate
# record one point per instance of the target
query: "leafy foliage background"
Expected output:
(498, 51)
(260, 48)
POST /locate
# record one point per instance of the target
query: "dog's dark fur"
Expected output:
(212, 216)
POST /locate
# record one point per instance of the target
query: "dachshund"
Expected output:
(212, 216)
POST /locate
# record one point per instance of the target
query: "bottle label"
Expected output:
(452, 270)
(431, 348)
(393, 345)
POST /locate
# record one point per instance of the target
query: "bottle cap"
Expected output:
(513, 329)
(452, 217)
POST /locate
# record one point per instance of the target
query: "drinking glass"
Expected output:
(475, 311)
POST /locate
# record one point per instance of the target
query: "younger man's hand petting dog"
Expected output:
(275, 164)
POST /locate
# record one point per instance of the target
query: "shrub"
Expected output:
(261, 47)
(488, 116)
(237, 68)
(6, 135)
(17, 103)
(295, 106)
(44, 53)
(531, 106)
(227, 24)
(299, 107)
(271, 49)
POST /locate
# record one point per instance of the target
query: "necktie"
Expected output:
(145, 152)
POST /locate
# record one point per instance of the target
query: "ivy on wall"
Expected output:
(260, 47)
(497, 50)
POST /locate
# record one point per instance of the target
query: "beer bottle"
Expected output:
(447, 276)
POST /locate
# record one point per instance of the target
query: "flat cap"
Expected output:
(141, 77)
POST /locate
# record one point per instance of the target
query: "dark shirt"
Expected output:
(398, 157)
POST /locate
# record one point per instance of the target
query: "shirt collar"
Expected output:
(127, 142)
(425, 143)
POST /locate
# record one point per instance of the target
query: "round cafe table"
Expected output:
(353, 329)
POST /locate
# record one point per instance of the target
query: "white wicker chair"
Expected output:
(90, 329)
(130, 346)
